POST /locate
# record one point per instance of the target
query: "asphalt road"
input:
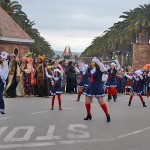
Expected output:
(30, 125)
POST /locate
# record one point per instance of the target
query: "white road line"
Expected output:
(42, 144)
(69, 108)
(41, 112)
(133, 133)
(5, 118)
(69, 142)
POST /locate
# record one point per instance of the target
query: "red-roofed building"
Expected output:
(13, 38)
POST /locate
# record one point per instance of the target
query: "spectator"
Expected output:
(70, 78)
(144, 83)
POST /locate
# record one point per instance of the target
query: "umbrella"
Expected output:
(147, 66)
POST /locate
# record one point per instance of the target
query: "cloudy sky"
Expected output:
(75, 22)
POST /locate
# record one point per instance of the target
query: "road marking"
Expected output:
(133, 133)
(5, 118)
(10, 137)
(49, 135)
(3, 129)
(43, 144)
(69, 108)
(69, 142)
(82, 135)
(41, 112)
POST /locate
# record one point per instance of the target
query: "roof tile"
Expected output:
(9, 28)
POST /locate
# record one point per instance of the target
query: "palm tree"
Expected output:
(120, 36)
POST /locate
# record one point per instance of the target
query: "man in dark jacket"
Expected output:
(144, 83)
(70, 78)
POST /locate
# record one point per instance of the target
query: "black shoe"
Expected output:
(3, 113)
(108, 118)
(144, 105)
(129, 104)
(115, 98)
(89, 117)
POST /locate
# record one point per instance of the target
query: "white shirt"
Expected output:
(4, 71)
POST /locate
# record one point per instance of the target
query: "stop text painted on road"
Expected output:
(75, 131)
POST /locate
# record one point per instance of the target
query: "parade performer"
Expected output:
(128, 82)
(84, 78)
(26, 70)
(136, 88)
(111, 82)
(13, 77)
(95, 88)
(42, 83)
(3, 76)
(56, 87)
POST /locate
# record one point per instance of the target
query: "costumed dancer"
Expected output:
(56, 87)
(26, 70)
(136, 88)
(111, 82)
(3, 76)
(84, 78)
(128, 82)
(41, 78)
(95, 88)
(13, 77)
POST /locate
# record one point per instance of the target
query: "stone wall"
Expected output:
(141, 55)
(22, 49)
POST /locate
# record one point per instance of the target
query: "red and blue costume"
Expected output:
(56, 88)
(111, 83)
(136, 88)
(96, 89)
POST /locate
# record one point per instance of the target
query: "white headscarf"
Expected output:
(96, 60)
(113, 64)
(57, 70)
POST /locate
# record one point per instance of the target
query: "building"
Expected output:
(141, 51)
(13, 39)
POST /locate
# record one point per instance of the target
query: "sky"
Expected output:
(75, 22)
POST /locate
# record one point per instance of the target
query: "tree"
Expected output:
(14, 9)
(120, 36)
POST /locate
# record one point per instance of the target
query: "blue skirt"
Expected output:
(110, 83)
(56, 91)
(94, 90)
(82, 84)
(136, 90)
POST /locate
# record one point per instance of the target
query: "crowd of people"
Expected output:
(43, 77)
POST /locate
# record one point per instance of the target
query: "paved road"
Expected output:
(30, 125)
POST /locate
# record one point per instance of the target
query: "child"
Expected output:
(84, 78)
(56, 86)
(136, 86)
(111, 82)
